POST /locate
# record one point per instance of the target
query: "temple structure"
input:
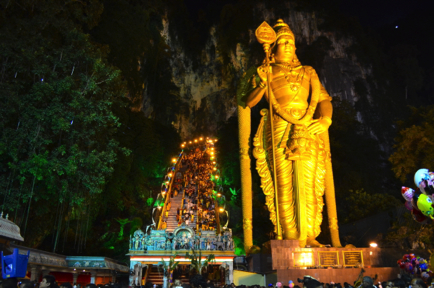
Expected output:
(74, 269)
(189, 217)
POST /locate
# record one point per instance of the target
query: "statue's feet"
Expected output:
(314, 243)
(302, 243)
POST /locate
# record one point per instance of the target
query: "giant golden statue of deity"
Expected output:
(291, 144)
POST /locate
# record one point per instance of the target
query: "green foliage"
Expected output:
(169, 266)
(69, 140)
(409, 234)
(228, 153)
(198, 262)
(122, 222)
(239, 246)
(136, 223)
(361, 204)
(56, 95)
(414, 148)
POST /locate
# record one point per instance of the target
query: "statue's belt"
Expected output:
(294, 112)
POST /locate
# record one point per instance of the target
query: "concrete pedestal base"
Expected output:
(331, 264)
(339, 275)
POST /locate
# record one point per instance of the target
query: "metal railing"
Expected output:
(169, 191)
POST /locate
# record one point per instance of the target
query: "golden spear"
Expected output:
(266, 35)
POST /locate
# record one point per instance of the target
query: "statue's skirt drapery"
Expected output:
(300, 171)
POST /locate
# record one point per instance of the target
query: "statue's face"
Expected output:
(285, 50)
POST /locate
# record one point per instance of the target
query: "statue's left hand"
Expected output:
(318, 126)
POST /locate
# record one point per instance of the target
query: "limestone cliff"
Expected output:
(208, 86)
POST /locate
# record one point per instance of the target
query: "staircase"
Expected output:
(171, 220)
(156, 277)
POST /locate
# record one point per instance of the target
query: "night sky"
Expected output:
(374, 13)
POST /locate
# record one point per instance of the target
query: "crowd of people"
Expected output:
(310, 282)
(403, 281)
(49, 281)
(194, 181)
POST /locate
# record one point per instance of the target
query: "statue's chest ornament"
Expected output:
(294, 78)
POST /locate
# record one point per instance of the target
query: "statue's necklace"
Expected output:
(294, 84)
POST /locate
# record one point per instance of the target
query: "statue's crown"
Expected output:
(283, 29)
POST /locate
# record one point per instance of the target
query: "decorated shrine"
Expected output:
(189, 216)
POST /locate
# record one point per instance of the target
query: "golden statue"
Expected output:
(291, 145)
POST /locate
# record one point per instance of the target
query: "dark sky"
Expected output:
(375, 13)
(414, 18)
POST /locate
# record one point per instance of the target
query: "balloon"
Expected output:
(407, 193)
(409, 267)
(424, 204)
(421, 174)
(401, 263)
(418, 216)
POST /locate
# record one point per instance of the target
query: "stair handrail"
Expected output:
(169, 191)
(182, 203)
(148, 267)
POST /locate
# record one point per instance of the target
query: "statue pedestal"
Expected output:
(289, 262)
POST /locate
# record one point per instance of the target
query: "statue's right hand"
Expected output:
(262, 73)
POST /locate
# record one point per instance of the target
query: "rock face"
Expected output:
(209, 88)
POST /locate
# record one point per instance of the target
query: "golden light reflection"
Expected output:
(303, 259)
